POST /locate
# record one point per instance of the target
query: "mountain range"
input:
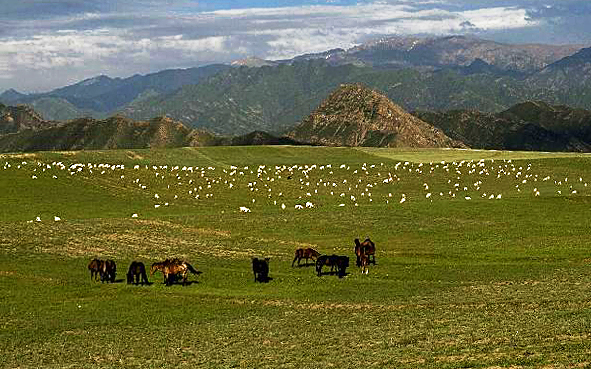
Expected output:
(444, 73)
(352, 115)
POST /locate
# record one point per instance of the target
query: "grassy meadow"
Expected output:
(483, 258)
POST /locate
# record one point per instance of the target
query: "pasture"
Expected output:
(482, 258)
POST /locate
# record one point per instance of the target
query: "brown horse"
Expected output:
(305, 254)
(366, 247)
(105, 269)
(334, 261)
(137, 270)
(94, 267)
(365, 251)
(173, 269)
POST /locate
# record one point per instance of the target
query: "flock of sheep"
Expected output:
(309, 186)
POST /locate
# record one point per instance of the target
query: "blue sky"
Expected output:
(46, 44)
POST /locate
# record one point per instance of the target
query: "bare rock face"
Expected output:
(354, 115)
(17, 118)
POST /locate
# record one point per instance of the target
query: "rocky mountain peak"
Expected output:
(354, 115)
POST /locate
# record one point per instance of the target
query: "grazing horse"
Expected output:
(136, 270)
(367, 248)
(334, 261)
(260, 268)
(94, 266)
(172, 268)
(305, 254)
(108, 270)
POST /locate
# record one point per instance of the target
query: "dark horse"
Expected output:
(106, 269)
(137, 270)
(305, 254)
(334, 261)
(260, 268)
(173, 268)
(365, 250)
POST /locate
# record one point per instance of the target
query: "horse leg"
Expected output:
(294, 260)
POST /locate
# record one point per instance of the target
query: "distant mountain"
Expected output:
(444, 73)
(354, 115)
(566, 81)
(253, 62)
(530, 125)
(242, 99)
(452, 51)
(11, 96)
(102, 95)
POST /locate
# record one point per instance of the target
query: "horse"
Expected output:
(367, 248)
(135, 271)
(161, 265)
(172, 269)
(260, 268)
(108, 270)
(308, 253)
(94, 267)
(334, 261)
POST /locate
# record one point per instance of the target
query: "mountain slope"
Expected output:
(17, 118)
(531, 125)
(354, 115)
(111, 133)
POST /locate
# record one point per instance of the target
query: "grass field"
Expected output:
(482, 258)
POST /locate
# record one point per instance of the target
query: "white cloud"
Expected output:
(121, 44)
(362, 22)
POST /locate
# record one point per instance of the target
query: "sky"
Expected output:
(45, 44)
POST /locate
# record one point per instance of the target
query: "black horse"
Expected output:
(340, 263)
(137, 271)
(260, 268)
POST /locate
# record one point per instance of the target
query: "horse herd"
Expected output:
(174, 270)
(365, 253)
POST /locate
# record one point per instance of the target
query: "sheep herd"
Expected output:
(306, 187)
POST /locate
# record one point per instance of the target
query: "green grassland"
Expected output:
(480, 263)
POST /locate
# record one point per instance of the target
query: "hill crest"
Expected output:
(354, 115)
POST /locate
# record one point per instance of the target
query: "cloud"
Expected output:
(81, 38)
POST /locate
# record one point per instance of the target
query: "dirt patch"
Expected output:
(134, 155)
(18, 156)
